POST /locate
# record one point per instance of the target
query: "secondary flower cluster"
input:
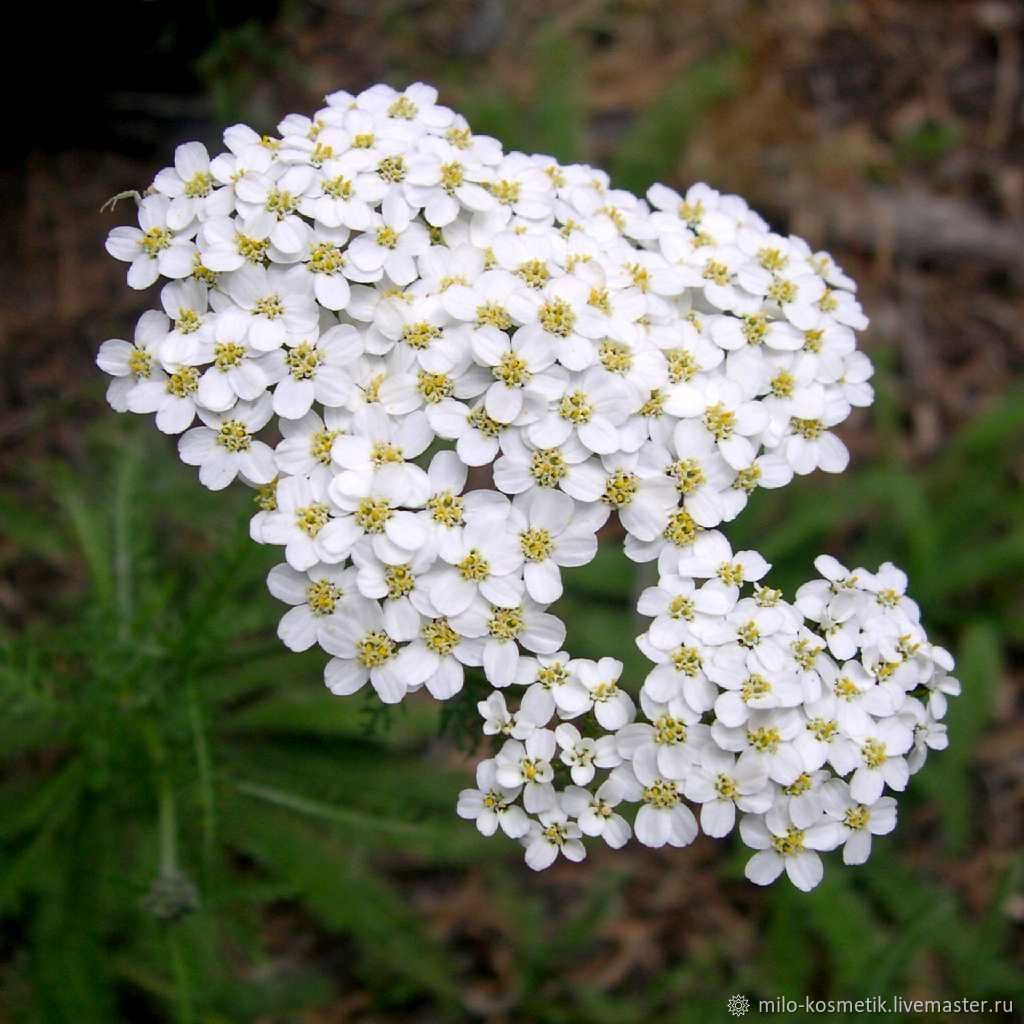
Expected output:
(405, 302)
(799, 717)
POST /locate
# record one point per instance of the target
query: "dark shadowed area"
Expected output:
(194, 830)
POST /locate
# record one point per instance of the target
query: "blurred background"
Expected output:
(193, 830)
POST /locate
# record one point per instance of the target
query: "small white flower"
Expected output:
(613, 707)
(317, 596)
(596, 814)
(663, 818)
(154, 248)
(191, 187)
(225, 446)
(858, 822)
(492, 805)
(314, 370)
(553, 531)
(577, 752)
(876, 755)
(364, 652)
(720, 784)
(783, 846)
(390, 245)
(528, 764)
(278, 304)
(553, 834)
(131, 363)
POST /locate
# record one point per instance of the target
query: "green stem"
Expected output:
(204, 768)
(168, 828)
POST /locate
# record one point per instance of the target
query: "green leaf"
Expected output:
(946, 776)
(336, 885)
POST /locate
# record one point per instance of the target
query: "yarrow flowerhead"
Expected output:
(366, 304)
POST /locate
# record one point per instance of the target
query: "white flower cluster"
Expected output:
(798, 716)
(406, 301)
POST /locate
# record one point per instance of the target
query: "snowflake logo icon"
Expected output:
(737, 1005)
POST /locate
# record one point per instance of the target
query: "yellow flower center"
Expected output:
(280, 203)
(154, 240)
(662, 793)
(420, 335)
(873, 752)
(547, 467)
(140, 363)
(372, 514)
(781, 291)
(557, 317)
(576, 408)
(440, 637)
(445, 508)
(233, 436)
(199, 185)
(392, 169)
(479, 420)
(269, 306)
(491, 314)
(687, 473)
(311, 519)
(252, 249)
(322, 596)
(550, 676)
(857, 817)
(183, 382)
(403, 109)
(339, 187)
(620, 489)
(669, 731)
(799, 785)
(266, 497)
(731, 573)
(823, 729)
(681, 530)
(506, 623)
(536, 544)
(765, 739)
(452, 176)
(687, 660)
(771, 259)
(725, 787)
(811, 430)
(748, 635)
(383, 453)
(600, 301)
(534, 272)
(682, 365)
(326, 258)
(375, 649)
(434, 387)
(303, 360)
(720, 421)
(717, 272)
(792, 842)
(460, 138)
(505, 191)
(320, 444)
(615, 356)
(474, 567)
(400, 580)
